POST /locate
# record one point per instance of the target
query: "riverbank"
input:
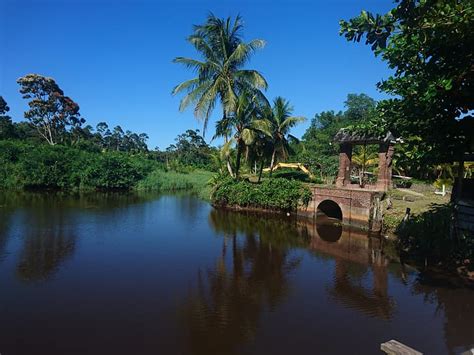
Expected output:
(423, 237)
(29, 166)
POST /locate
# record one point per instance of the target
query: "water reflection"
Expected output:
(173, 275)
(44, 251)
(47, 224)
(357, 255)
(457, 304)
(251, 275)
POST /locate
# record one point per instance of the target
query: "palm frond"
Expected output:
(251, 78)
(290, 122)
(186, 85)
(248, 136)
(190, 63)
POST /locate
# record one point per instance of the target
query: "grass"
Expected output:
(170, 181)
(418, 204)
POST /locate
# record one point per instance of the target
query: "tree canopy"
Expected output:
(221, 74)
(428, 43)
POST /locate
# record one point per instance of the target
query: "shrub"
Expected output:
(274, 194)
(113, 171)
(428, 237)
(29, 165)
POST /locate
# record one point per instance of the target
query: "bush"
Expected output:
(113, 171)
(38, 166)
(274, 194)
(428, 237)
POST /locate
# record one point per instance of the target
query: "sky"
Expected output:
(114, 58)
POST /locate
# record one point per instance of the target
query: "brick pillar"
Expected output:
(345, 158)
(384, 179)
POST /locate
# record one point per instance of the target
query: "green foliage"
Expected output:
(51, 112)
(317, 150)
(273, 194)
(190, 150)
(114, 171)
(221, 76)
(26, 165)
(167, 181)
(427, 237)
(426, 42)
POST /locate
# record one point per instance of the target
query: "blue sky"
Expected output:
(114, 57)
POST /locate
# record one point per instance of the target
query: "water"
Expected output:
(128, 274)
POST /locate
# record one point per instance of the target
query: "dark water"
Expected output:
(127, 274)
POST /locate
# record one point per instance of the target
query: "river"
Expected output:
(114, 273)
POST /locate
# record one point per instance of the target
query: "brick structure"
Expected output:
(359, 205)
(345, 158)
(384, 178)
(386, 150)
(360, 208)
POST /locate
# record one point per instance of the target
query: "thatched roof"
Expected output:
(345, 136)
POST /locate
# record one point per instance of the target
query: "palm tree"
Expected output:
(247, 124)
(281, 124)
(362, 159)
(220, 73)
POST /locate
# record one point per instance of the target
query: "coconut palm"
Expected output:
(282, 122)
(247, 125)
(221, 76)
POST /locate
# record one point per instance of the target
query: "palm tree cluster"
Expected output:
(251, 127)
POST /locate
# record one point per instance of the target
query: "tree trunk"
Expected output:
(229, 167)
(261, 170)
(237, 161)
(272, 162)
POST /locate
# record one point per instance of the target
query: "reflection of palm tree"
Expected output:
(225, 312)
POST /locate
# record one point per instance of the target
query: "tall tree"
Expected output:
(247, 123)
(428, 43)
(221, 76)
(51, 112)
(282, 122)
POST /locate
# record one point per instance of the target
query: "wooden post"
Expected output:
(394, 347)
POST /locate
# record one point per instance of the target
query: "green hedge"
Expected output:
(25, 165)
(274, 194)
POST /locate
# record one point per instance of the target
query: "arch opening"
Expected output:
(329, 209)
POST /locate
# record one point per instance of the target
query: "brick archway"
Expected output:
(361, 208)
(330, 209)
